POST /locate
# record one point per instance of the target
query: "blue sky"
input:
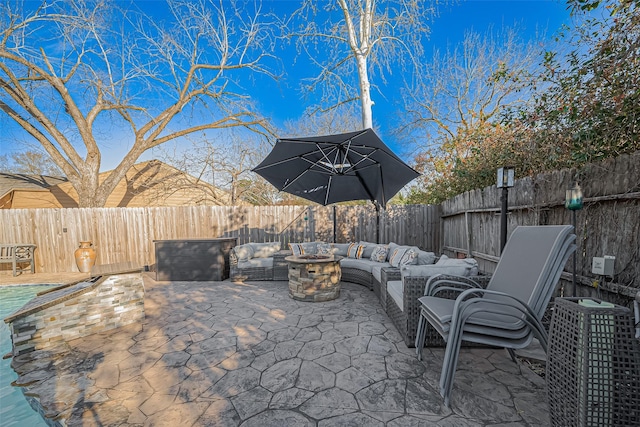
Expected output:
(281, 102)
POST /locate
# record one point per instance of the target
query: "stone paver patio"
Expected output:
(228, 354)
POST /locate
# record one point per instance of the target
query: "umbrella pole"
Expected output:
(377, 222)
(334, 223)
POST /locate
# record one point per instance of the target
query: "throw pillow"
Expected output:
(310, 248)
(355, 251)
(392, 247)
(368, 249)
(409, 257)
(397, 255)
(296, 249)
(379, 253)
(325, 249)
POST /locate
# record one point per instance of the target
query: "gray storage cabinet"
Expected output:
(193, 259)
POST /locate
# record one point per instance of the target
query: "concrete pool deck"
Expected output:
(245, 354)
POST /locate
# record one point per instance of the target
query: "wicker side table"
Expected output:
(593, 366)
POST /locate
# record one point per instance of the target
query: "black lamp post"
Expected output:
(573, 202)
(505, 180)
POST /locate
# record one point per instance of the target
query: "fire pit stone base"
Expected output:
(314, 280)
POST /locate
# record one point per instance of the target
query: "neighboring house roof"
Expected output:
(26, 187)
(151, 183)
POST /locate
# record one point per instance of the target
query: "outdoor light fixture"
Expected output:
(573, 202)
(573, 198)
(506, 177)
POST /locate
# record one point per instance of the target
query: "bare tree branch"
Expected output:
(77, 74)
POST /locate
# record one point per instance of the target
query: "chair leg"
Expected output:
(513, 355)
(420, 336)
(449, 366)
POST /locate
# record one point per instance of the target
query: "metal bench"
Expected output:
(17, 253)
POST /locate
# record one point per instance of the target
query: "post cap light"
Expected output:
(506, 177)
(573, 198)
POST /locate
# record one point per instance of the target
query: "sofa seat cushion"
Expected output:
(395, 290)
(256, 263)
(376, 270)
(361, 264)
(432, 270)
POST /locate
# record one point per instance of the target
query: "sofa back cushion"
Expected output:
(264, 250)
(426, 258)
(340, 248)
(243, 252)
(469, 263)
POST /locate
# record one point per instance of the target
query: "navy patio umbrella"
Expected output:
(336, 168)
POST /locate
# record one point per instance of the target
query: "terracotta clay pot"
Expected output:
(85, 257)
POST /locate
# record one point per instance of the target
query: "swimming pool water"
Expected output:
(14, 408)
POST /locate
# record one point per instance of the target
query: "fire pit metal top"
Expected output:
(311, 258)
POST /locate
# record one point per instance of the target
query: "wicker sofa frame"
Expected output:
(360, 277)
(406, 320)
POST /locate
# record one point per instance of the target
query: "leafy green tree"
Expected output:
(454, 109)
(584, 106)
(590, 109)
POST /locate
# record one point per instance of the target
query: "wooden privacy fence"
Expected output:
(609, 223)
(127, 234)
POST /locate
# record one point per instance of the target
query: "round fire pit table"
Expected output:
(314, 278)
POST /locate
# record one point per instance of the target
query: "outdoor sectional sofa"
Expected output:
(265, 261)
(398, 280)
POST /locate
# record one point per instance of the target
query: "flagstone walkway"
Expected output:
(228, 354)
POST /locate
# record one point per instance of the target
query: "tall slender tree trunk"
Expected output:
(365, 92)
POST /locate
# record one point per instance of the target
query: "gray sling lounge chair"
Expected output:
(508, 312)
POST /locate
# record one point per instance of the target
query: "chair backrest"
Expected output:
(531, 263)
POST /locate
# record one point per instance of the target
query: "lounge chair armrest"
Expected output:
(465, 307)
